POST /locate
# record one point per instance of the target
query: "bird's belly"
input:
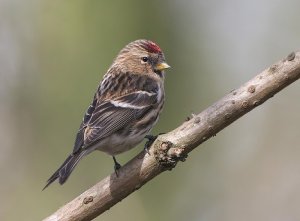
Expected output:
(116, 144)
(122, 141)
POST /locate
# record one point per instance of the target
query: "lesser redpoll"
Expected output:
(125, 107)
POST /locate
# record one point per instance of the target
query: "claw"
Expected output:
(149, 142)
(151, 139)
(117, 166)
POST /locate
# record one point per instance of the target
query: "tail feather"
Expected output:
(65, 169)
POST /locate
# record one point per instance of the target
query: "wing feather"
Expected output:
(79, 141)
(112, 115)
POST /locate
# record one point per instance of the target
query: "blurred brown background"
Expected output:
(52, 56)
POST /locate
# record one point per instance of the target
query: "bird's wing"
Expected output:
(79, 141)
(110, 116)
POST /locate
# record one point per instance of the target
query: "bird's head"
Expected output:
(141, 57)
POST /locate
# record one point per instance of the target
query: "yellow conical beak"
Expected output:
(162, 66)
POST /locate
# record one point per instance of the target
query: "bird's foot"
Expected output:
(117, 166)
(151, 139)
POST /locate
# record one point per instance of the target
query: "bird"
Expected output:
(124, 109)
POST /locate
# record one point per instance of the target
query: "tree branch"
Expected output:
(174, 146)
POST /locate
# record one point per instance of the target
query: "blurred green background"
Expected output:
(52, 56)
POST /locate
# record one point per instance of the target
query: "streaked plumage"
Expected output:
(125, 107)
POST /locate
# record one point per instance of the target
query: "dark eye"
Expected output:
(144, 59)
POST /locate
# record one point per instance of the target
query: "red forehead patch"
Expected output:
(152, 47)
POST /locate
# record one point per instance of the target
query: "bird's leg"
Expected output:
(149, 142)
(117, 166)
(151, 139)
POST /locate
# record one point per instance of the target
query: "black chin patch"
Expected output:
(159, 73)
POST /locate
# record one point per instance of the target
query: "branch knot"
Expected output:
(168, 154)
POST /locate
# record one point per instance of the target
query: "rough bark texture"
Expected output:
(174, 146)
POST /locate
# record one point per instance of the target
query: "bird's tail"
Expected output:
(66, 168)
